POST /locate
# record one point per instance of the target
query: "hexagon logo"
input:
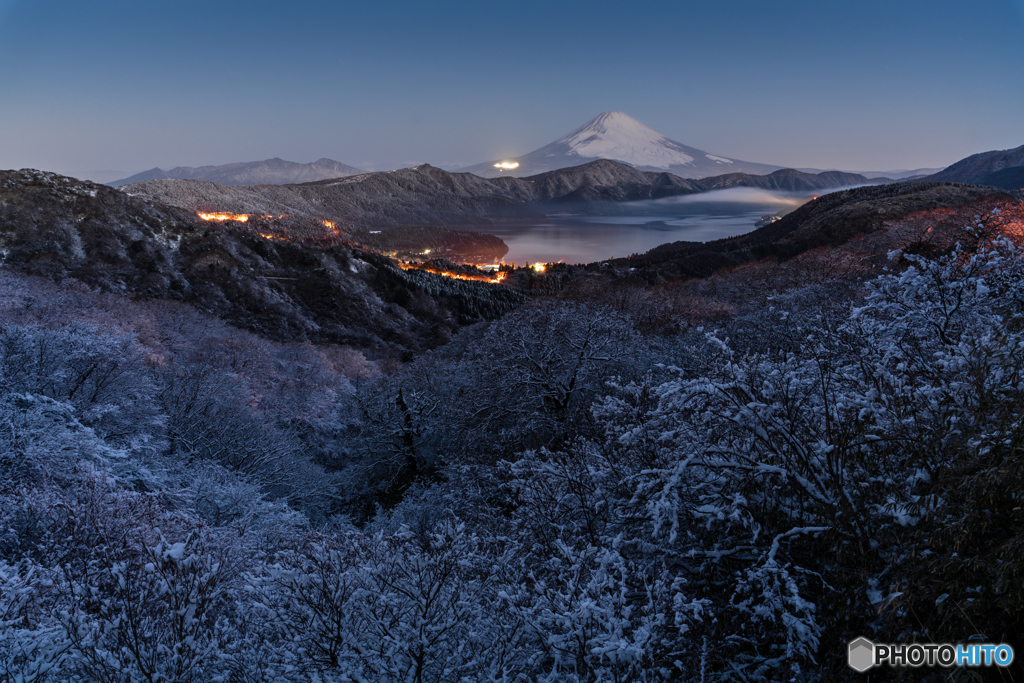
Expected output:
(861, 655)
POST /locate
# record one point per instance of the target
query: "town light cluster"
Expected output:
(221, 216)
(455, 276)
(240, 217)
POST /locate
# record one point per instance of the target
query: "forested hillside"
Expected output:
(717, 478)
(291, 279)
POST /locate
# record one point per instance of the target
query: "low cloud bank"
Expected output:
(736, 198)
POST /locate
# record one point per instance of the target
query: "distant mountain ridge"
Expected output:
(789, 180)
(267, 172)
(982, 168)
(619, 137)
(425, 195)
(899, 174)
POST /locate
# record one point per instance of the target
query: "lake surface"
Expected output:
(645, 225)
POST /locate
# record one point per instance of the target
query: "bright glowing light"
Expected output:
(240, 217)
(455, 276)
(539, 267)
(507, 165)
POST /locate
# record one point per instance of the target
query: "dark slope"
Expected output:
(788, 180)
(425, 195)
(975, 168)
(61, 227)
(606, 181)
(830, 220)
(610, 181)
(1008, 178)
(269, 171)
(152, 174)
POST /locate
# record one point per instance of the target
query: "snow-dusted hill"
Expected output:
(268, 172)
(618, 136)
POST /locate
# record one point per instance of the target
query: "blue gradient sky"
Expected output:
(124, 86)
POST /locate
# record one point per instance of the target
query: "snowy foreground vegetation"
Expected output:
(552, 497)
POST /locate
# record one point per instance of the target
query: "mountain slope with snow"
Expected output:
(618, 136)
(268, 172)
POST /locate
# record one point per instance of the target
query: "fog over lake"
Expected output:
(641, 226)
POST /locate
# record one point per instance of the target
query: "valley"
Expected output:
(430, 203)
(297, 410)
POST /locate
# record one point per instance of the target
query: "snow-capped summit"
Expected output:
(618, 136)
(614, 135)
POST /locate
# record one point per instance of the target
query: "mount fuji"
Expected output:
(620, 137)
